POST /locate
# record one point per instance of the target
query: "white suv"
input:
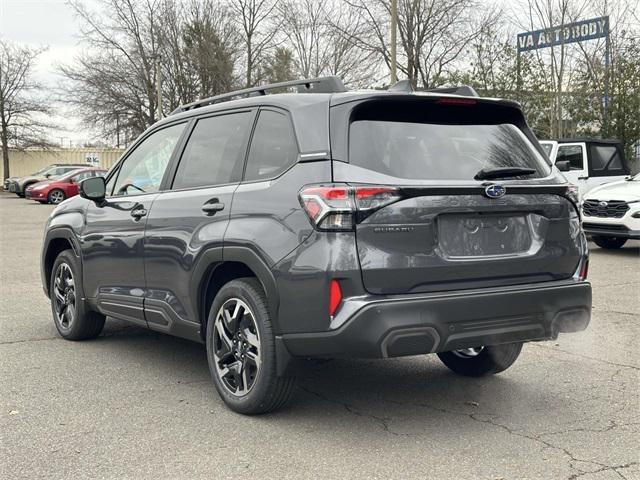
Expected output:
(611, 213)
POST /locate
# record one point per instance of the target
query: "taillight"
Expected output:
(340, 207)
(335, 297)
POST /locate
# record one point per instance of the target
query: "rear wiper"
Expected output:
(502, 172)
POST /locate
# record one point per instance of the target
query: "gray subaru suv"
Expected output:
(326, 223)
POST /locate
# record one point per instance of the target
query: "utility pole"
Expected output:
(394, 27)
(158, 85)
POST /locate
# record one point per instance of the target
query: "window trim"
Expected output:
(287, 114)
(585, 155)
(115, 170)
(183, 146)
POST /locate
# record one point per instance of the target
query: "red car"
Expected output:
(55, 191)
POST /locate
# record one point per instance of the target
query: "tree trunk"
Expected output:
(5, 153)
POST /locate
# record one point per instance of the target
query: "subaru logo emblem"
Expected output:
(602, 204)
(495, 191)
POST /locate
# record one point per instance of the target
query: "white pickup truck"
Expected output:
(587, 162)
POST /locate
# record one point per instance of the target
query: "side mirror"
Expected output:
(48, 175)
(563, 165)
(93, 188)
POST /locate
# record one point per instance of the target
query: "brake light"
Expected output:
(335, 297)
(340, 207)
(456, 101)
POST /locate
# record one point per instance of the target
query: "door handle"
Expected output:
(213, 206)
(583, 178)
(138, 213)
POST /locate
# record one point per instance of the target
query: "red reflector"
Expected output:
(456, 101)
(335, 297)
(584, 270)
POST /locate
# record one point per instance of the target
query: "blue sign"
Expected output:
(569, 33)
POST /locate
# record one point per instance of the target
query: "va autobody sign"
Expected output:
(569, 33)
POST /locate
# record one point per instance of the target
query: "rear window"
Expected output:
(440, 151)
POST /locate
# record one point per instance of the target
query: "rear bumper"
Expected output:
(374, 327)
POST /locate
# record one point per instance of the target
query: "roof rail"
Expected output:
(309, 85)
(465, 90)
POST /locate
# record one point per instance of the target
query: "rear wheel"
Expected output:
(56, 196)
(480, 361)
(71, 315)
(609, 242)
(241, 350)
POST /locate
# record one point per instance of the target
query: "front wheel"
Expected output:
(241, 350)
(609, 242)
(480, 361)
(71, 315)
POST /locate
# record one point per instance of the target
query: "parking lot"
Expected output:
(138, 404)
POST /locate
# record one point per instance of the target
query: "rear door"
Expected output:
(187, 223)
(606, 164)
(444, 230)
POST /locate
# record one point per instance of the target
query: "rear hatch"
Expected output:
(438, 228)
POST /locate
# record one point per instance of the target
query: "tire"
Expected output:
(483, 361)
(243, 345)
(71, 315)
(56, 196)
(609, 242)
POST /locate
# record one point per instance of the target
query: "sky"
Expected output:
(51, 24)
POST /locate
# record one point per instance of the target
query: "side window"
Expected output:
(573, 153)
(273, 147)
(605, 157)
(215, 151)
(142, 170)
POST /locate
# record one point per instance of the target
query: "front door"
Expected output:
(576, 154)
(112, 241)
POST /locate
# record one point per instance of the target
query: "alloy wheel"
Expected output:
(468, 352)
(64, 296)
(236, 345)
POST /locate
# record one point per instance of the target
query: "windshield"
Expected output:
(70, 174)
(440, 151)
(42, 171)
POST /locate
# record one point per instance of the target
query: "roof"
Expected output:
(608, 141)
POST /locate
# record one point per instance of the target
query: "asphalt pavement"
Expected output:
(137, 404)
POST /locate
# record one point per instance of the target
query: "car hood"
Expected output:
(40, 184)
(30, 178)
(629, 191)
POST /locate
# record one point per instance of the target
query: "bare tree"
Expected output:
(113, 83)
(21, 109)
(433, 34)
(321, 35)
(255, 19)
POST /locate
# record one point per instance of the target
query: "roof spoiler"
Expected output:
(406, 87)
(331, 84)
